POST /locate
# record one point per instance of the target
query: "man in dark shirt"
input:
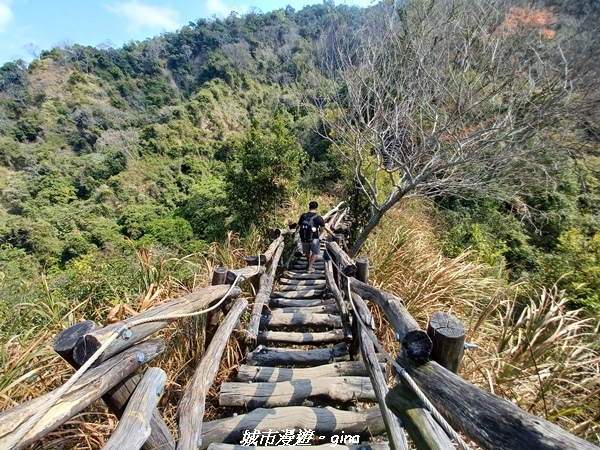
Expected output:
(312, 247)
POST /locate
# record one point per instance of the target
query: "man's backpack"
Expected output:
(307, 228)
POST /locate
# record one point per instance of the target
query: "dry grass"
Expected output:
(30, 368)
(532, 349)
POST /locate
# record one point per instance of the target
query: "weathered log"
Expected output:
(273, 374)
(302, 287)
(90, 387)
(219, 276)
(402, 322)
(299, 275)
(245, 273)
(268, 356)
(339, 299)
(264, 337)
(493, 423)
(322, 391)
(213, 318)
(323, 421)
(89, 343)
(116, 398)
(324, 308)
(373, 446)
(395, 433)
(191, 407)
(300, 320)
(424, 431)
(303, 264)
(447, 334)
(363, 311)
(262, 298)
(332, 212)
(299, 302)
(65, 341)
(265, 258)
(308, 294)
(362, 270)
(342, 259)
(134, 426)
(301, 283)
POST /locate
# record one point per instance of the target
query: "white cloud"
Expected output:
(146, 16)
(218, 8)
(5, 14)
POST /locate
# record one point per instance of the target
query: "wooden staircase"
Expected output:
(298, 385)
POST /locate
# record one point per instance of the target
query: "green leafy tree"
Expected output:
(207, 209)
(264, 172)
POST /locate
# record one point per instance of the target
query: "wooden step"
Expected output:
(302, 287)
(330, 446)
(273, 374)
(264, 337)
(303, 263)
(270, 356)
(330, 308)
(292, 282)
(310, 293)
(312, 320)
(322, 391)
(325, 422)
(302, 275)
(299, 302)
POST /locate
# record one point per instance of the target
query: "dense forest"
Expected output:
(169, 147)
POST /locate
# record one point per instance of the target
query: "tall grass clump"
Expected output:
(532, 348)
(29, 367)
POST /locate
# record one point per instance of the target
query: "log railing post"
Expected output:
(448, 336)
(135, 425)
(362, 270)
(219, 276)
(117, 397)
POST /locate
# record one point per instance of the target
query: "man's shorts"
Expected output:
(314, 246)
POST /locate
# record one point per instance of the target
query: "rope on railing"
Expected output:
(402, 371)
(33, 420)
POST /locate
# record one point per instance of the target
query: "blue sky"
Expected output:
(28, 26)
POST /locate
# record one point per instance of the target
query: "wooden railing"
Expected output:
(431, 360)
(438, 402)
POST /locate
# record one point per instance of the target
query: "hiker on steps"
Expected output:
(309, 227)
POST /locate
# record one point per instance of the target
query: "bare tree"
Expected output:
(442, 97)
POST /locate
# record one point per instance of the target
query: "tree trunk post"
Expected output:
(219, 276)
(362, 270)
(448, 336)
(116, 398)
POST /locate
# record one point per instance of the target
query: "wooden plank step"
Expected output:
(299, 302)
(264, 337)
(310, 293)
(325, 422)
(330, 308)
(302, 275)
(270, 356)
(273, 374)
(330, 446)
(293, 282)
(322, 391)
(301, 287)
(313, 320)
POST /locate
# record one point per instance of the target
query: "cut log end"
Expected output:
(86, 346)
(65, 342)
(417, 345)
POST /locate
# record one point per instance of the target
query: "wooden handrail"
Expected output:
(90, 387)
(89, 343)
